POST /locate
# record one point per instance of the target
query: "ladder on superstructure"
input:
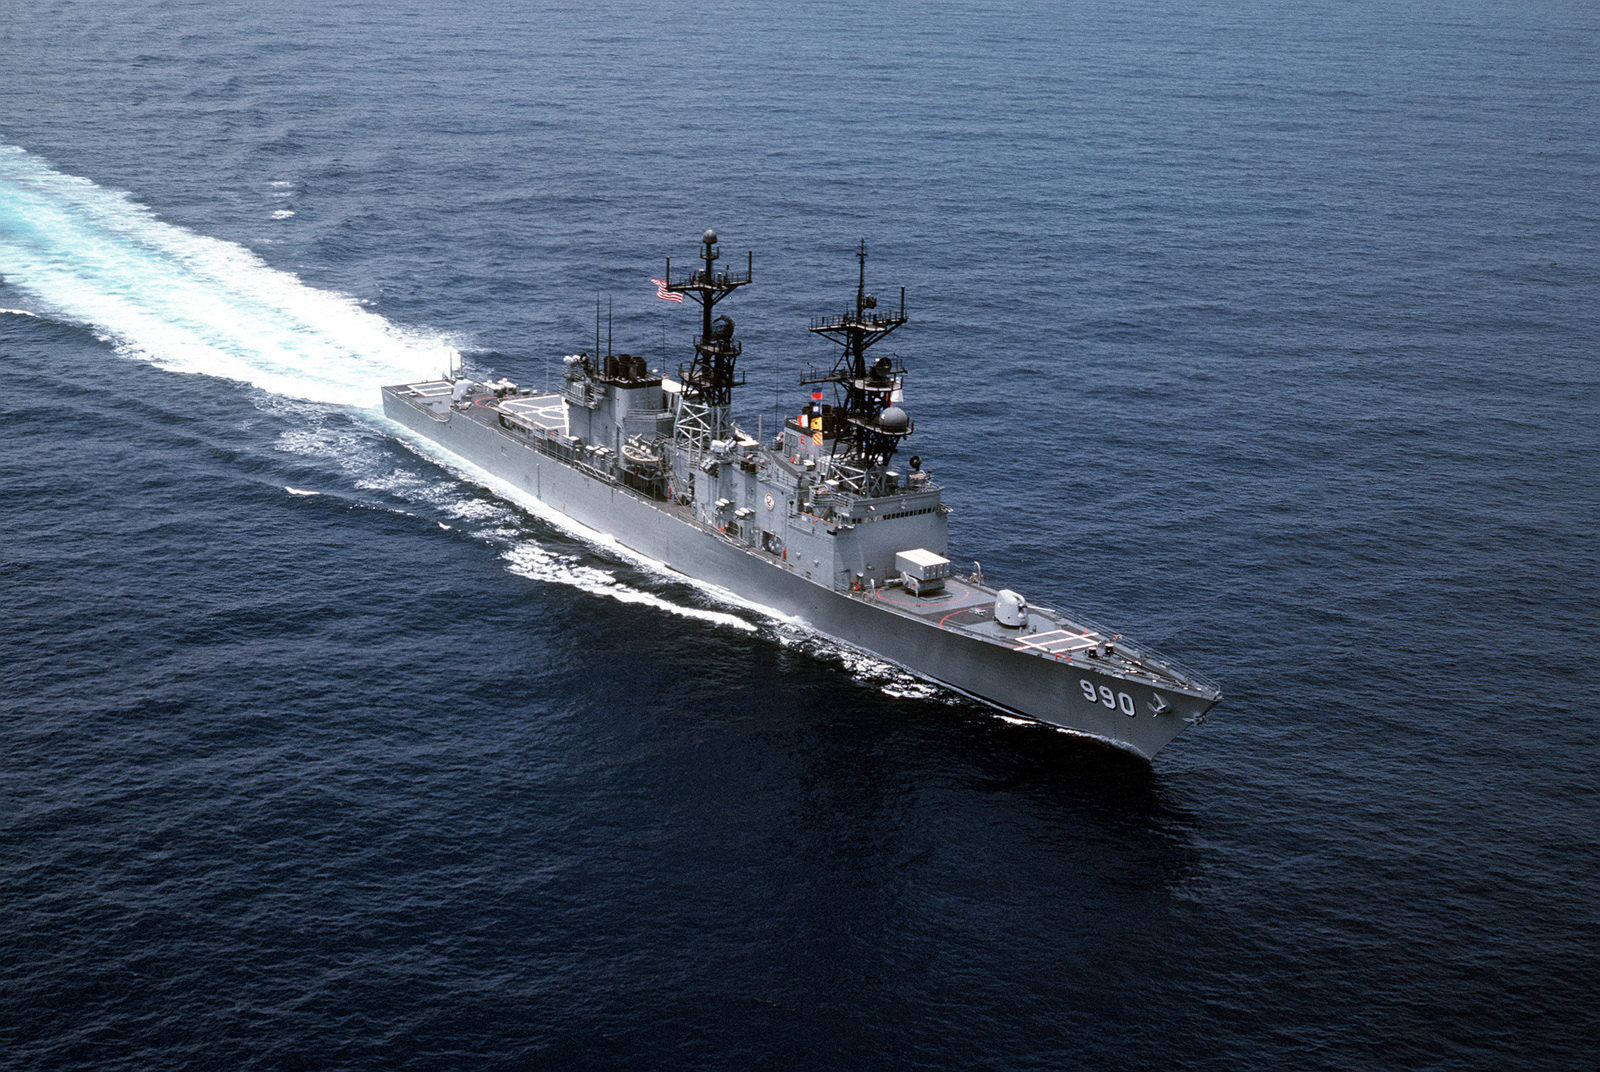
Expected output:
(708, 382)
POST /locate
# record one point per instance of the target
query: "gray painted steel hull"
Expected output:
(1052, 690)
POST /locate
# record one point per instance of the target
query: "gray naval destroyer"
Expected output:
(816, 521)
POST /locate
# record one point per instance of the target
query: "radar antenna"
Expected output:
(865, 394)
(709, 380)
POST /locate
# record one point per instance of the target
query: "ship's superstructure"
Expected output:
(819, 522)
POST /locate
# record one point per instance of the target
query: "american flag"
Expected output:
(664, 294)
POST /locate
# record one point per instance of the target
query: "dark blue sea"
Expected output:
(1265, 333)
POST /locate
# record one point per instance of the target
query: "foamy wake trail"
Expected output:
(189, 303)
(498, 525)
(527, 559)
(890, 679)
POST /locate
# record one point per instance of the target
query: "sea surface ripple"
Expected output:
(1265, 334)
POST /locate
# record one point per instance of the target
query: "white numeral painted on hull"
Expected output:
(1117, 701)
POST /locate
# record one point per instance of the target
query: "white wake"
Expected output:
(189, 303)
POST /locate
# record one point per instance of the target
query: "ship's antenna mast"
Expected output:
(709, 380)
(874, 424)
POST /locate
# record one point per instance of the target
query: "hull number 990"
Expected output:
(1117, 701)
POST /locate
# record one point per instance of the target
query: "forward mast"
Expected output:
(866, 423)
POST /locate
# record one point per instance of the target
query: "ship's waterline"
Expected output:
(817, 523)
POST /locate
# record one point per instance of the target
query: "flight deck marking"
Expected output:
(1067, 638)
(936, 600)
(979, 610)
(1064, 645)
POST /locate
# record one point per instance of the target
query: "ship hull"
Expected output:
(1071, 694)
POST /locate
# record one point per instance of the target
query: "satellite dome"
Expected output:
(894, 419)
(710, 237)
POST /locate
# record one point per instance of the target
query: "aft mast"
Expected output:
(709, 381)
(865, 396)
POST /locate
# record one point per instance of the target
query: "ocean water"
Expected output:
(1265, 333)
